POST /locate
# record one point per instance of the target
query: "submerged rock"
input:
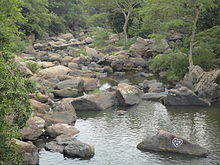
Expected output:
(184, 96)
(167, 142)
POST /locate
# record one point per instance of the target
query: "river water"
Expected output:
(115, 137)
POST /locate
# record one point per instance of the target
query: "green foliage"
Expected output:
(37, 17)
(33, 66)
(98, 20)
(100, 36)
(69, 11)
(175, 64)
(211, 39)
(14, 110)
(204, 57)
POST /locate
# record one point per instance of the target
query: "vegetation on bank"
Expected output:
(196, 21)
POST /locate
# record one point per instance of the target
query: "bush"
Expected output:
(175, 64)
(15, 109)
(204, 57)
(33, 66)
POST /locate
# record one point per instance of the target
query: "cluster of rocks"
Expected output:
(66, 77)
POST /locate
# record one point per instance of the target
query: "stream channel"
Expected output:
(115, 137)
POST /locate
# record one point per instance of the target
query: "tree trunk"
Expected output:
(125, 27)
(192, 37)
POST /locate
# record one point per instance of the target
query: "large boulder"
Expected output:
(184, 96)
(153, 86)
(78, 149)
(70, 147)
(128, 95)
(67, 36)
(168, 142)
(38, 107)
(205, 84)
(54, 71)
(63, 112)
(81, 73)
(93, 54)
(34, 129)
(29, 151)
(74, 83)
(66, 92)
(95, 102)
(154, 96)
(90, 83)
(147, 47)
(61, 129)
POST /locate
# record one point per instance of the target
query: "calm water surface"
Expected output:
(115, 137)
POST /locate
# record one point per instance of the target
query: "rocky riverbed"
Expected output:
(69, 82)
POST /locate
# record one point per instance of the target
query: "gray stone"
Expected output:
(95, 102)
(75, 83)
(128, 95)
(61, 129)
(154, 96)
(184, 96)
(167, 142)
(66, 92)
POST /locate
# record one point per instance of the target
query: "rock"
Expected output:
(128, 95)
(89, 40)
(60, 117)
(54, 71)
(93, 54)
(34, 129)
(81, 73)
(53, 57)
(66, 92)
(167, 142)
(38, 107)
(95, 102)
(67, 59)
(70, 147)
(78, 149)
(29, 151)
(95, 67)
(205, 84)
(147, 47)
(21, 66)
(40, 46)
(111, 49)
(154, 96)
(156, 87)
(153, 86)
(75, 83)
(39, 97)
(61, 129)
(67, 36)
(73, 65)
(90, 83)
(184, 96)
(142, 74)
(45, 64)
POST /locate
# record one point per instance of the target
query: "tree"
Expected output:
(161, 17)
(69, 11)
(126, 7)
(37, 17)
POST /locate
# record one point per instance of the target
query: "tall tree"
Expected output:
(126, 7)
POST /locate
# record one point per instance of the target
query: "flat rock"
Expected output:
(61, 129)
(95, 102)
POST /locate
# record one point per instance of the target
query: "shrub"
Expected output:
(175, 64)
(33, 66)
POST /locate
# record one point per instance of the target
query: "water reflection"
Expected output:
(115, 137)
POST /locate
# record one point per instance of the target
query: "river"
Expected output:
(115, 136)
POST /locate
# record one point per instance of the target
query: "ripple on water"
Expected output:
(115, 137)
